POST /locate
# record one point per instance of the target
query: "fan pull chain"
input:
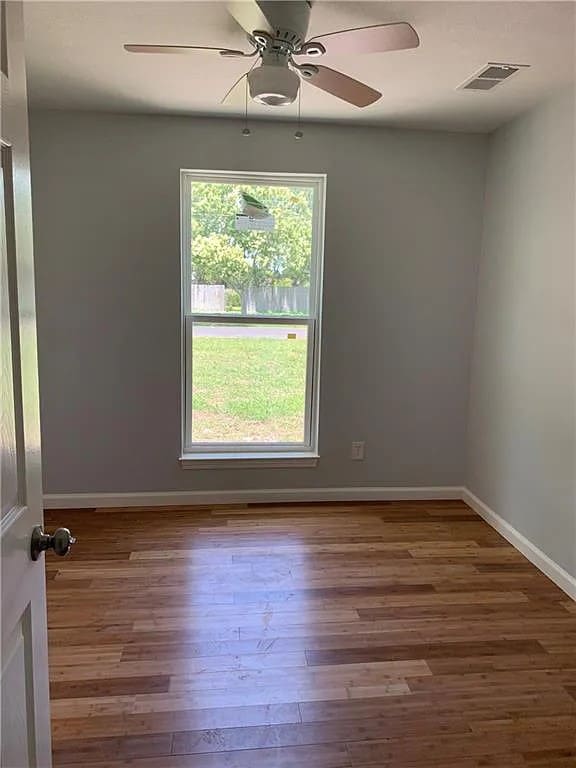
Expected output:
(299, 133)
(246, 131)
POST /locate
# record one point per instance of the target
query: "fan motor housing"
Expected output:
(274, 86)
(289, 19)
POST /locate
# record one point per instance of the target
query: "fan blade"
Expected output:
(342, 86)
(376, 39)
(182, 49)
(249, 15)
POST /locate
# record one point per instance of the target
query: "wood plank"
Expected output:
(197, 700)
(167, 722)
(111, 748)
(423, 651)
(454, 746)
(228, 739)
(323, 756)
(481, 704)
(344, 675)
(116, 686)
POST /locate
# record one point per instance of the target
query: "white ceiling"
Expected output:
(76, 59)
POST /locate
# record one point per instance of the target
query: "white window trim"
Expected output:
(240, 455)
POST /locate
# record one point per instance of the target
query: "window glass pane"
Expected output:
(248, 383)
(251, 247)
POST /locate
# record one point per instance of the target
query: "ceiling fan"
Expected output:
(276, 31)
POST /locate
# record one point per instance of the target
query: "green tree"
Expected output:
(216, 260)
(279, 257)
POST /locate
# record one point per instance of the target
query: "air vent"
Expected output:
(480, 85)
(490, 76)
(498, 72)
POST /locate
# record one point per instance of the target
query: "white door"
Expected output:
(24, 673)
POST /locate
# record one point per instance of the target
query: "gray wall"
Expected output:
(402, 244)
(522, 420)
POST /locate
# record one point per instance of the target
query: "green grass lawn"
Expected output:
(248, 389)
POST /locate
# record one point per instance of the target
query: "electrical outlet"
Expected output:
(357, 451)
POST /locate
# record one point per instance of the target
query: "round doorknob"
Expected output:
(60, 541)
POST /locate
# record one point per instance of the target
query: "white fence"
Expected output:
(268, 300)
(208, 298)
(272, 300)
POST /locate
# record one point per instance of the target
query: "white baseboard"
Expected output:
(555, 572)
(259, 496)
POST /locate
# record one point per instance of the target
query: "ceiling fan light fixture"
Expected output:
(273, 86)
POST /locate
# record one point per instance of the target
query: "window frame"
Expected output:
(211, 455)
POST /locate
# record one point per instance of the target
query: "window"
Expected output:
(252, 246)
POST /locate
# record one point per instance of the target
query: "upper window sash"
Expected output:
(315, 182)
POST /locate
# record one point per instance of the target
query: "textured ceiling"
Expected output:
(76, 59)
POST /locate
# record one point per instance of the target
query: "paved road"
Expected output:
(249, 331)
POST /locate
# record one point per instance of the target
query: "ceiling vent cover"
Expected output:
(498, 71)
(490, 76)
(480, 85)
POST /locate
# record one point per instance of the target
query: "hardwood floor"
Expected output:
(393, 635)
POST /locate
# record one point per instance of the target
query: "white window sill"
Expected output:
(239, 460)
